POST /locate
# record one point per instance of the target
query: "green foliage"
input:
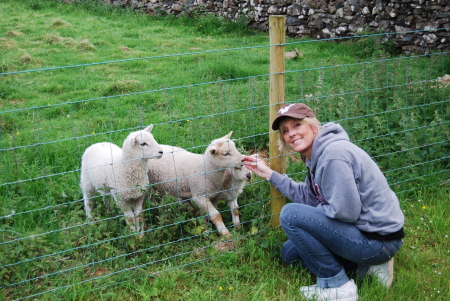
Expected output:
(374, 46)
(211, 24)
(173, 220)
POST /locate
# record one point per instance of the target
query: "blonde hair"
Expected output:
(283, 145)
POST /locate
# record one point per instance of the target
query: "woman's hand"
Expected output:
(258, 166)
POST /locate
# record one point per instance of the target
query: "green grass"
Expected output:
(196, 79)
(253, 271)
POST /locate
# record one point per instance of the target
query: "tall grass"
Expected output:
(93, 73)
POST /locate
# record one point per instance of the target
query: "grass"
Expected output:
(93, 73)
(254, 272)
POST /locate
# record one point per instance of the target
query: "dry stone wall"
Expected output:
(329, 18)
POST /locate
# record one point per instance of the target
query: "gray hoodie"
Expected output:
(346, 183)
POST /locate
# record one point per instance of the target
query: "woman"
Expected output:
(343, 214)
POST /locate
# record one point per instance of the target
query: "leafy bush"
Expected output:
(211, 24)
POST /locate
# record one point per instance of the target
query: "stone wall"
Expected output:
(329, 18)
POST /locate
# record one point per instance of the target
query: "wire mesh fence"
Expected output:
(397, 109)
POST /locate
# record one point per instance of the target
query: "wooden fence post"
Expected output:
(277, 33)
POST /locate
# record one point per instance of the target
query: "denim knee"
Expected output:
(286, 213)
(289, 253)
(298, 214)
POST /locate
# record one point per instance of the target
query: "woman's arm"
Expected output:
(298, 192)
(258, 167)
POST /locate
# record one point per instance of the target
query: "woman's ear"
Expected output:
(315, 130)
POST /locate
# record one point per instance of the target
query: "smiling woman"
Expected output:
(344, 218)
(297, 121)
(299, 135)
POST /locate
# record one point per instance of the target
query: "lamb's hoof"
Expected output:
(225, 246)
(224, 232)
(238, 226)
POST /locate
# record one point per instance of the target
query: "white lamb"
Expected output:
(108, 169)
(233, 185)
(199, 177)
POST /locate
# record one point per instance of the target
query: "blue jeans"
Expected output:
(323, 245)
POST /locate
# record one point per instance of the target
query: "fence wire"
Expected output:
(397, 109)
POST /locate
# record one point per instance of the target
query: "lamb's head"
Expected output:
(143, 145)
(241, 173)
(224, 152)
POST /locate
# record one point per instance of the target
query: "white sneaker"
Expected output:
(346, 292)
(384, 272)
(309, 292)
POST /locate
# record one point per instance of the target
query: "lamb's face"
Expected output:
(146, 146)
(241, 173)
(225, 153)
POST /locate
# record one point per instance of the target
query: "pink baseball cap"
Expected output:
(294, 110)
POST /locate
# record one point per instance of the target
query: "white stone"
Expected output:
(341, 29)
(272, 10)
(326, 32)
(430, 38)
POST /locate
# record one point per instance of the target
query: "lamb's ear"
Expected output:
(229, 135)
(134, 141)
(213, 150)
(149, 128)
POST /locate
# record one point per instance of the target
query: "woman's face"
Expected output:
(299, 135)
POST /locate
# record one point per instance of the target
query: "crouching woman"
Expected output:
(343, 215)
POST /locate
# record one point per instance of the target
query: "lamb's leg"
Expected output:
(87, 197)
(234, 208)
(139, 216)
(213, 214)
(88, 191)
(130, 217)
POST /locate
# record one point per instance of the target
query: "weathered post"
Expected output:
(277, 33)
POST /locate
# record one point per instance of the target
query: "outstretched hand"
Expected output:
(258, 166)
